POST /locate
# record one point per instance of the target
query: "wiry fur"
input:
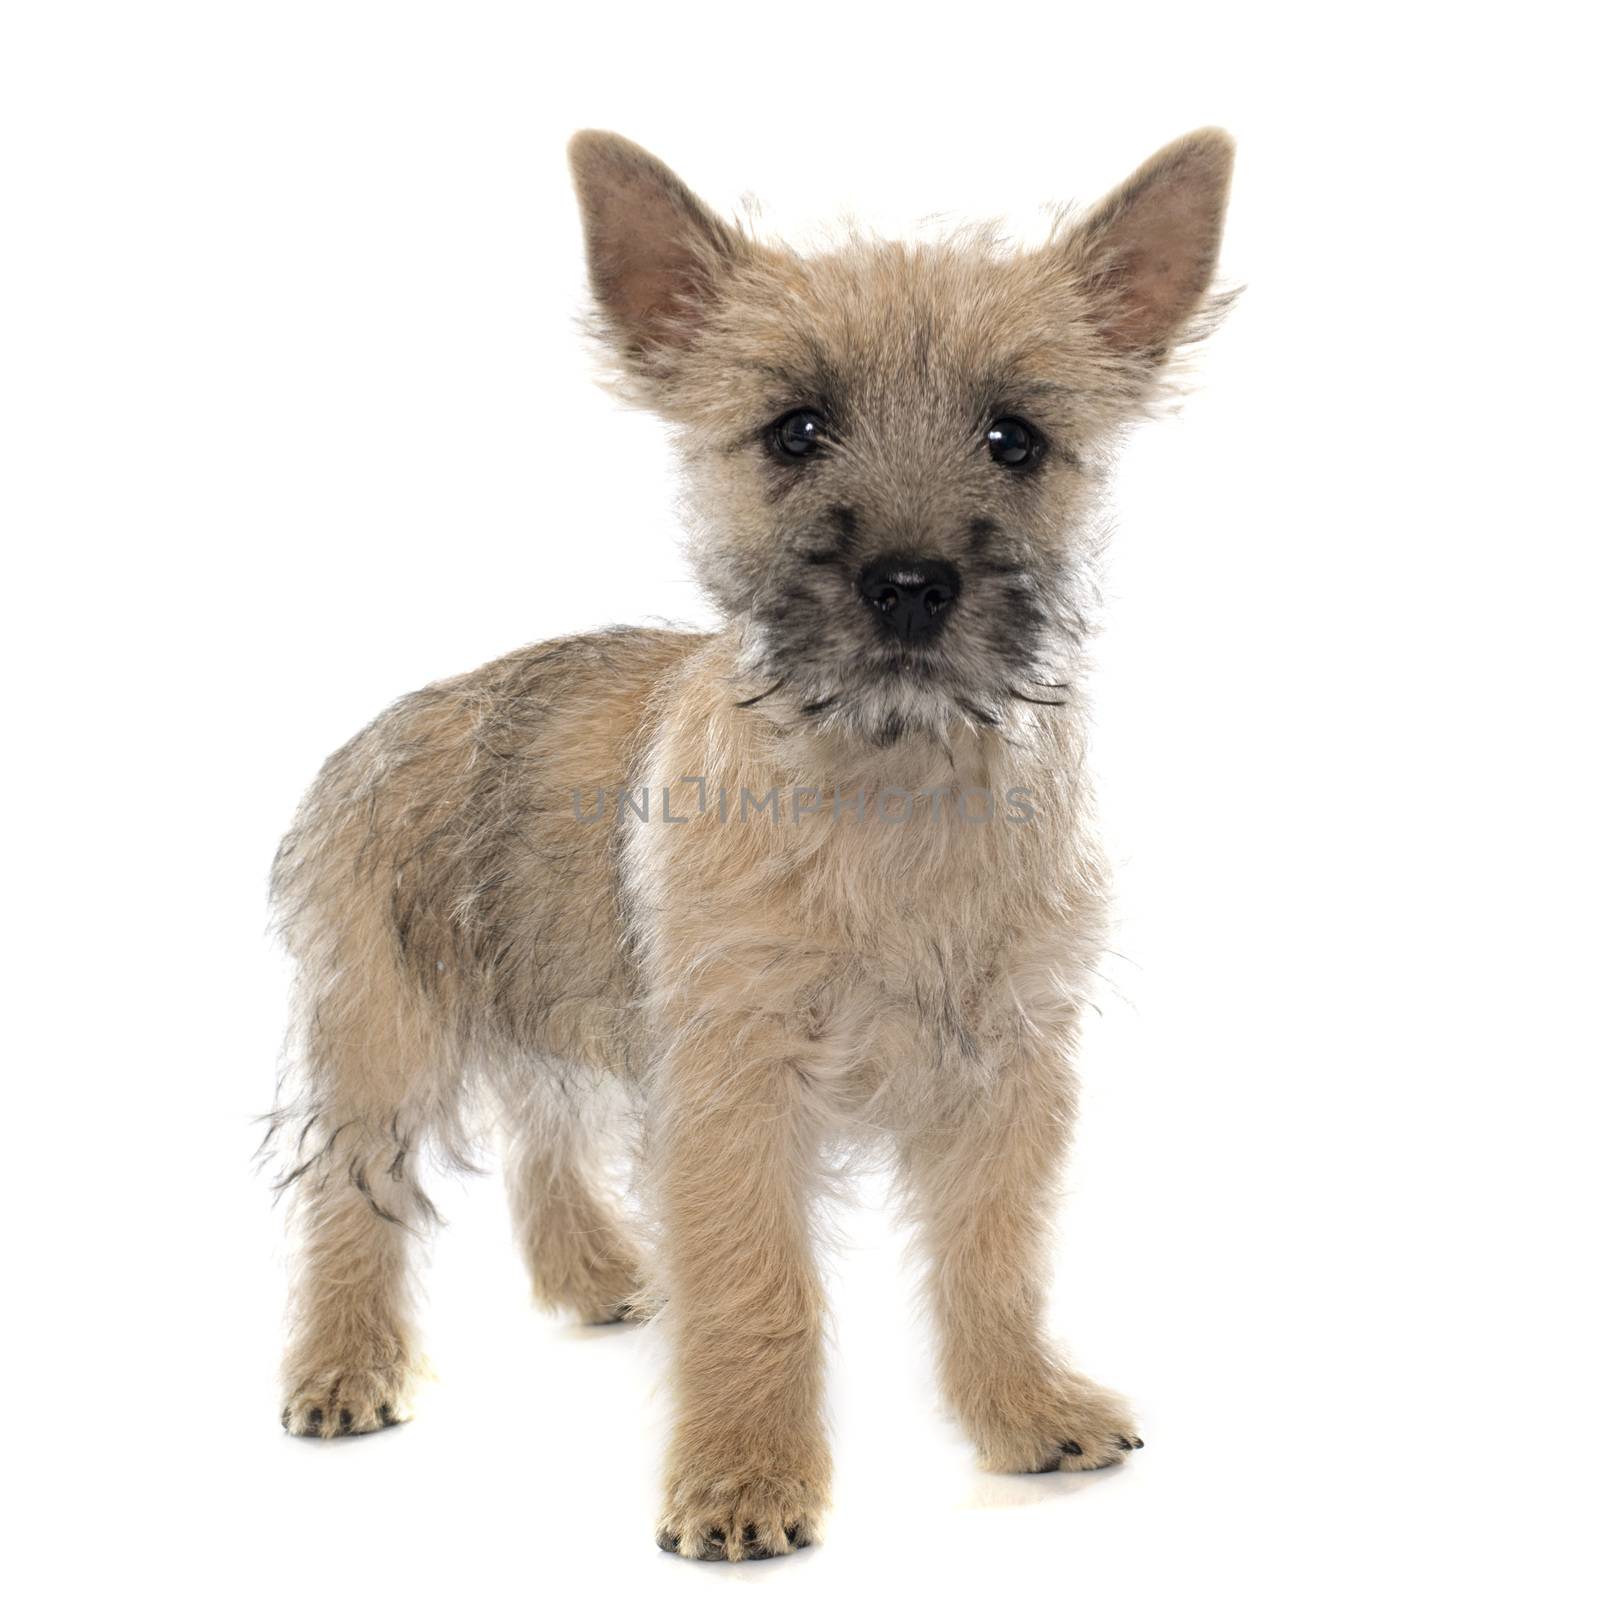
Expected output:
(768, 991)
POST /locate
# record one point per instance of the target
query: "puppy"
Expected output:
(822, 879)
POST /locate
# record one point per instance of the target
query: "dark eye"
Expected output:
(798, 434)
(1012, 443)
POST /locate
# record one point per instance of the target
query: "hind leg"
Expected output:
(378, 1089)
(563, 1144)
(353, 1357)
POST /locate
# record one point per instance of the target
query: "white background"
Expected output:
(295, 418)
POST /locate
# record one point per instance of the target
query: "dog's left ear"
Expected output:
(656, 252)
(1146, 254)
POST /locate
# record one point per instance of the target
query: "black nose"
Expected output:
(910, 595)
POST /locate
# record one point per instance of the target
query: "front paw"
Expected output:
(1067, 1425)
(738, 1517)
(345, 1399)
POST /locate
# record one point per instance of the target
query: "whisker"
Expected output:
(756, 699)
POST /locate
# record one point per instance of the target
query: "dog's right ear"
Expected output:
(655, 251)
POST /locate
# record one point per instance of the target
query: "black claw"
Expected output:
(1123, 1444)
(345, 1420)
(1138, 1444)
(1072, 1448)
(1049, 1466)
(315, 1418)
(796, 1539)
(667, 1541)
(386, 1415)
(284, 1419)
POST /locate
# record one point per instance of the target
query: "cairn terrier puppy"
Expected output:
(822, 879)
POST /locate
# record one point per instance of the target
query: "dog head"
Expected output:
(893, 451)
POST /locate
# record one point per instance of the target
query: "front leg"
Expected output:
(748, 1469)
(982, 1187)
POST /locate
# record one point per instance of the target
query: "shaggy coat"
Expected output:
(807, 883)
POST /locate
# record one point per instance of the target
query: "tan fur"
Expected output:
(769, 990)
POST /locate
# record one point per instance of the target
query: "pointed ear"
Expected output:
(1146, 253)
(655, 251)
